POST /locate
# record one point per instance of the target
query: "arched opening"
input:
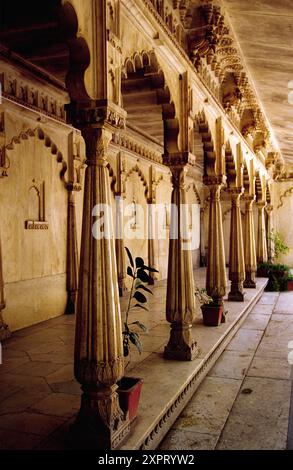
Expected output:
(147, 100)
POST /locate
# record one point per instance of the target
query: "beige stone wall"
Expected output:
(34, 261)
(283, 204)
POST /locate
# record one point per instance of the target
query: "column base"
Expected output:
(236, 296)
(181, 346)
(5, 333)
(249, 284)
(71, 304)
(100, 424)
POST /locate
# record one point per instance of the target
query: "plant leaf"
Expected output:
(140, 297)
(139, 262)
(129, 256)
(140, 325)
(141, 306)
(134, 338)
(152, 270)
(141, 286)
(130, 272)
(142, 275)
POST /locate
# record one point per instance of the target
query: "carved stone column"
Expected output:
(236, 262)
(269, 210)
(4, 330)
(249, 244)
(216, 279)
(180, 304)
(151, 240)
(119, 245)
(262, 252)
(72, 254)
(99, 362)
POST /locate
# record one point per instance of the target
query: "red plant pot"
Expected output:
(212, 315)
(129, 394)
(290, 285)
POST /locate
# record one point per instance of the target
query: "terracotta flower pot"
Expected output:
(129, 393)
(212, 314)
(290, 284)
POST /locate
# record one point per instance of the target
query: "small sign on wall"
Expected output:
(36, 225)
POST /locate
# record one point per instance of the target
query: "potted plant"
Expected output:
(290, 282)
(130, 387)
(278, 276)
(212, 311)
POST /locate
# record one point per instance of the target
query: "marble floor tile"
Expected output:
(31, 423)
(58, 404)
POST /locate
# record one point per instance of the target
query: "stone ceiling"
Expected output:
(264, 29)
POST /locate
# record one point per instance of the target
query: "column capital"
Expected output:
(217, 180)
(261, 204)
(248, 198)
(98, 113)
(177, 160)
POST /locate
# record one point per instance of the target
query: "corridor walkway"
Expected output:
(244, 401)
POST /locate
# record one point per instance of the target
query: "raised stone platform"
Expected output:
(169, 385)
(39, 397)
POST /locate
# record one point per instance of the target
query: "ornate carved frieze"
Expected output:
(133, 144)
(23, 91)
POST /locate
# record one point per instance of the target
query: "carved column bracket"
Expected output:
(99, 362)
(249, 244)
(216, 279)
(180, 303)
(236, 262)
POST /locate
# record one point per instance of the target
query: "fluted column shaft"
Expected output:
(72, 254)
(262, 251)
(269, 210)
(4, 330)
(151, 240)
(216, 279)
(180, 303)
(236, 262)
(99, 360)
(119, 245)
(249, 244)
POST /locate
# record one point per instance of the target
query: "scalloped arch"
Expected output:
(48, 142)
(136, 169)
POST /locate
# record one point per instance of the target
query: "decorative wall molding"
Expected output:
(287, 193)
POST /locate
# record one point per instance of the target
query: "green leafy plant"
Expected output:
(279, 246)
(202, 296)
(138, 271)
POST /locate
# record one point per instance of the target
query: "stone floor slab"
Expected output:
(270, 367)
(259, 417)
(209, 409)
(231, 365)
(245, 340)
(256, 322)
(178, 439)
